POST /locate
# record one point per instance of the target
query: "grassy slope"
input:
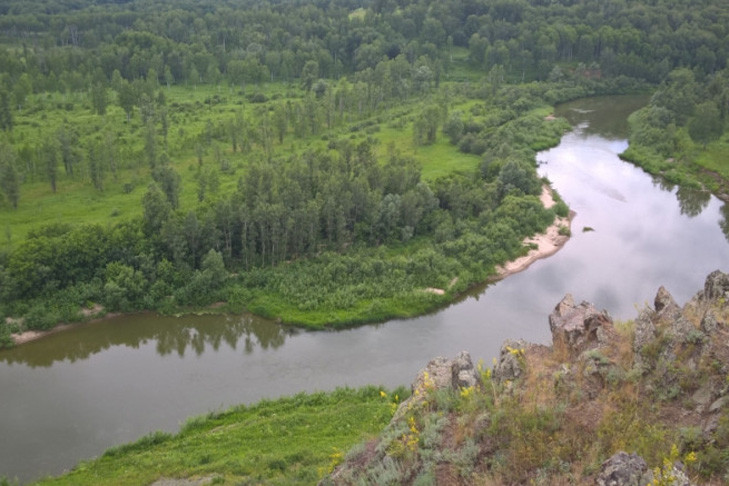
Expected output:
(293, 440)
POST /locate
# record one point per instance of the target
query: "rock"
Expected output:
(678, 476)
(716, 285)
(623, 469)
(664, 301)
(681, 330)
(709, 323)
(464, 374)
(719, 404)
(511, 361)
(577, 325)
(645, 333)
(440, 373)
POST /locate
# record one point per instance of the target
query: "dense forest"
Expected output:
(317, 162)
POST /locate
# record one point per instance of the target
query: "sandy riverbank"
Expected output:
(97, 310)
(547, 243)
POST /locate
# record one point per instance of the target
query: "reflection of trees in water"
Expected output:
(662, 183)
(256, 331)
(171, 335)
(692, 201)
(724, 222)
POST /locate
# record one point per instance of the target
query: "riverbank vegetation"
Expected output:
(681, 134)
(318, 164)
(294, 440)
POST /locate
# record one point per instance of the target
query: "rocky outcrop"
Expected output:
(510, 365)
(643, 386)
(578, 327)
(623, 469)
(440, 374)
(716, 286)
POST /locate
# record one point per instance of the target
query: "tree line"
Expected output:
(70, 46)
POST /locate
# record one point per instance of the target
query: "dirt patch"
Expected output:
(96, 310)
(28, 336)
(183, 482)
(432, 290)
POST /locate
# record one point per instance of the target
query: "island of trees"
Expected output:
(317, 162)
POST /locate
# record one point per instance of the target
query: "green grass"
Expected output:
(294, 440)
(716, 157)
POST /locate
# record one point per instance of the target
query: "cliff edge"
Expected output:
(608, 403)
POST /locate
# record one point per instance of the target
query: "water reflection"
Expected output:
(724, 222)
(692, 201)
(606, 117)
(173, 335)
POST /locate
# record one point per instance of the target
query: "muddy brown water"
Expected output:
(74, 394)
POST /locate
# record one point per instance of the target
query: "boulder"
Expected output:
(577, 326)
(440, 373)
(664, 303)
(511, 364)
(463, 372)
(716, 285)
(623, 469)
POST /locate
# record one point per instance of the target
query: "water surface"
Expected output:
(74, 394)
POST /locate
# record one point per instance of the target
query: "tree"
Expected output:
(157, 210)
(127, 98)
(49, 155)
(678, 94)
(706, 125)
(23, 87)
(9, 180)
(425, 128)
(454, 127)
(6, 113)
(67, 140)
(309, 74)
(99, 98)
(169, 182)
(280, 121)
(96, 165)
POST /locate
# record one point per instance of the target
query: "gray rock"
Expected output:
(664, 302)
(464, 373)
(510, 365)
(719, 404)
(716, 285)
(577, 325)
(709, 324)
(645, 333)
(681, 330)
(623, 469)
(440, 373)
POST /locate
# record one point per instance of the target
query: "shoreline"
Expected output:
(33, 335)
(548, 243)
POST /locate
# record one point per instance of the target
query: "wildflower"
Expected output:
(383, 394)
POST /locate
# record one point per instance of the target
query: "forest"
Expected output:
(317, 162)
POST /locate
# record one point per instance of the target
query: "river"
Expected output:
(72, 395)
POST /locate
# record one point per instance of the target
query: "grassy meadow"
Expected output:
(294, 440)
